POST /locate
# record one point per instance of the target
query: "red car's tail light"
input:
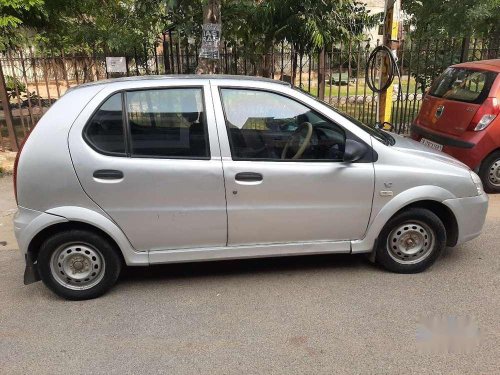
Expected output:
(485, 114)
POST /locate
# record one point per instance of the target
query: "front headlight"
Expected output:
(477, 181)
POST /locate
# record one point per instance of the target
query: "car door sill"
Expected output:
(248, 251)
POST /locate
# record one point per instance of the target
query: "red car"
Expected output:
(460, 116)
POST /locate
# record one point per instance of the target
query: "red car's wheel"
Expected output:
(490, 173)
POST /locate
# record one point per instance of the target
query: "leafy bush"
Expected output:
(14, 87)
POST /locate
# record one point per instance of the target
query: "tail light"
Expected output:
(16, 162)
(485, 115)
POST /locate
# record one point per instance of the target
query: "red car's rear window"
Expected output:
(464, 85)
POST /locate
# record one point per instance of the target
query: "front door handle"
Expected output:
(108, 174)
(248, 177)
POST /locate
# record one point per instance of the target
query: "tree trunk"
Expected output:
(294, 66)
(494, 42)
(211, 14)
(267, 69)
(4, 99)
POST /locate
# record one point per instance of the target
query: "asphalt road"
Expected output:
(303, 315)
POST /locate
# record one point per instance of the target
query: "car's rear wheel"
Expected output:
(490, 173)
(78, 264)
(411, 241)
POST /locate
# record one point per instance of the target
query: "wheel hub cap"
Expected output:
(77, 266)
(494, 175)
(410, 242)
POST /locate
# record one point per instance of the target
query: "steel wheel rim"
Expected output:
(77, 266)
(494, 173)
(411, 242)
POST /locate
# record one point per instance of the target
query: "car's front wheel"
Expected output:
(490, 173)
(411, 241)
(78, 264)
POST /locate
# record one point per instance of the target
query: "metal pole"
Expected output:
(321, 74)
(7, 112)
(391, 28)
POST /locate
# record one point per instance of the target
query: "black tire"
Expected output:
(401, 226)
(487, 166)
(108, 256)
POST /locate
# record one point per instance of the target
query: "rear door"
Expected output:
(454, 99)
(149, 157)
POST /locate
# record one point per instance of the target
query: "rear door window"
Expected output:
(463, 85)
(167, 123)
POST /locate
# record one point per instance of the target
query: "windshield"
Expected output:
(378, 134)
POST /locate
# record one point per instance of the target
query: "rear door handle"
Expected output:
(108, 174)
(248, 177)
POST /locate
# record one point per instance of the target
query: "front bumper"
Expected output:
(470, 213)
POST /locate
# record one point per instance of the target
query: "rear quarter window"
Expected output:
(105, 130)
(463, 85)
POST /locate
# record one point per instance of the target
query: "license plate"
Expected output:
(433, 145)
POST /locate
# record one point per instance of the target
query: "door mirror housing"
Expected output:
(354, 150)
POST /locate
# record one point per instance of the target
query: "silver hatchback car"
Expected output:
(194, 168)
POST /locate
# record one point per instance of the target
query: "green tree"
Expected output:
(15, 14)
(454, 18)
(435, 23)
(308, 25)
(96, 25)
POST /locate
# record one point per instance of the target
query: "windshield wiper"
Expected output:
(388, 139)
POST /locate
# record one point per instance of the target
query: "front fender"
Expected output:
(388, 209)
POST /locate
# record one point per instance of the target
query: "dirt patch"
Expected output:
(7, 159)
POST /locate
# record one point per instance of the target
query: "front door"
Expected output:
(285, 176)
(151, 161)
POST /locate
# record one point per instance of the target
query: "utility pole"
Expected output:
(390, 39)
(7, 113)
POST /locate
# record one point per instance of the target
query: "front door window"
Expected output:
(263, 125)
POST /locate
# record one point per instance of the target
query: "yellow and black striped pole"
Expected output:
(390, 39)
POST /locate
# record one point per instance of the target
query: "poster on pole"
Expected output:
(116, 65)
(210, 40)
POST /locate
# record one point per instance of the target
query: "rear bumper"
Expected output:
(445, 140)
(471, 148)
(470, 214)
(27, 223)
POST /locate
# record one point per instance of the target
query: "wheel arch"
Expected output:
(487, 156)
(425, 196)
(44, 234)
(83, 218)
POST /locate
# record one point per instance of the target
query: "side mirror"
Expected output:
(354, 151)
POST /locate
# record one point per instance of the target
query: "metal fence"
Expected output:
(35, 80)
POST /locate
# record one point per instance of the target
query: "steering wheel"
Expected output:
(296, 134)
